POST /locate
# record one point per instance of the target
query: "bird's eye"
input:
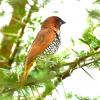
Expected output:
(60, 23)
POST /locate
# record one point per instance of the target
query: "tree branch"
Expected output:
(72, 66)
(20, 34)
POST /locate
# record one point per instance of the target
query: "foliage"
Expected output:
(72, 96)
(50, 70)
(90, 39)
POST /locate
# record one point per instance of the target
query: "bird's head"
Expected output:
(53, 21)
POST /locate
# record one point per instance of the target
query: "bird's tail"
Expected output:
(27, 69)
(23, 77)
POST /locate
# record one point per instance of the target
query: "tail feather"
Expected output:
(23, 77)
(25, 74)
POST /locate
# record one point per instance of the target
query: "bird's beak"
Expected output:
(63, 22)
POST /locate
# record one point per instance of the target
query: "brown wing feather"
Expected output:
(42, 41)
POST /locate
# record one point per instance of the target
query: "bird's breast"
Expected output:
(53, 47)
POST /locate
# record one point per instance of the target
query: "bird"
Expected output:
(47, 41)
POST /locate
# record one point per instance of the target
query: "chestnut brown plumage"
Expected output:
(46, 41)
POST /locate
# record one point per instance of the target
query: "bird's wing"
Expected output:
(42, 41)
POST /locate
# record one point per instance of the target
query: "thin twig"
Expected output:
(78, 60)
(90, 62)
(32, 91)
(87, 73)
(38, 92)
(24, 95)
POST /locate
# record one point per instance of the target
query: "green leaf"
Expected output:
(89, 38)
(94, 13)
